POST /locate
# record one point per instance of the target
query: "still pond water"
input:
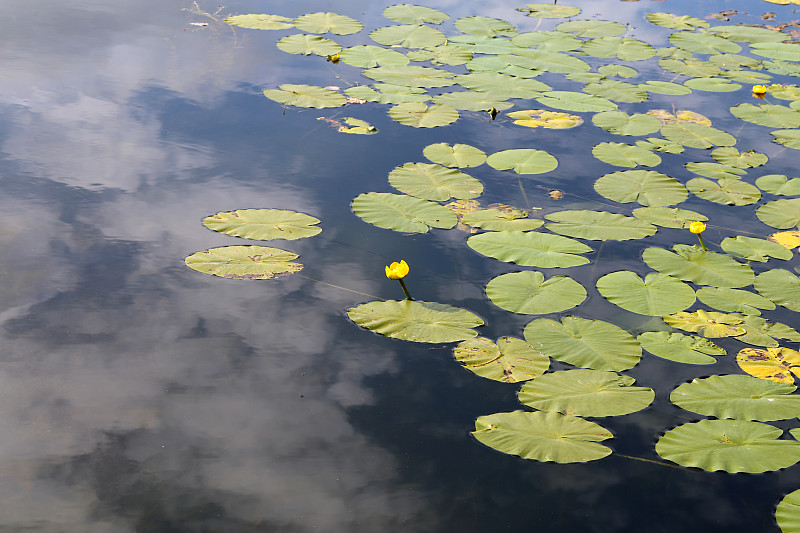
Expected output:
(141, 396)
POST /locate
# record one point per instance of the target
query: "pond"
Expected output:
(532, 164)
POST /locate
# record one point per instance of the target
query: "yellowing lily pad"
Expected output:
(535, 118)
(709, 324)
(511, 360)
(773, 363)
(787, 239)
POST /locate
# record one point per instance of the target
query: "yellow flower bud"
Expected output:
(759, 90)
(697, 227)
(397, 270)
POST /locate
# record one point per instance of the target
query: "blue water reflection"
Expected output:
(139, 396)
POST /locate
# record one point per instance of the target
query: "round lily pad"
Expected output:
(697, 135)
(691, 263)
(304, 44)
(668, 217)
(730, 445)
(416, 321)
(625, 155)
(530, 248)
(656, 295)
(586, 392)
(510, 360)
(623, 48)
(529, 293)
(523, 161)
(327, 22)
(598, 225)
(779, 185)
(620, 123)
(543, 436)
(574, 101)
(408, 36)
(411, 76)
(400, 212)
(260, 21)
(734, 300)
(726, 191)
(770, 115)
(419, 115)
(592, 29)
(707, 323)
(647, 187)
(788, 512)
(244, 262)
(413, 14)
(619, 91)
(305, 96)
(368, 56)
(264, 224)
(781, 214)
(434, 182)
(584, 343)
(754, 249)
(680, 348)
(780, 286)
(535, 118)
(728, 155)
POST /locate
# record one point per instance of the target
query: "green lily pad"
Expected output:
(680, 348)
(598, 225)
(618, 91)
(747, 34)
(549, 11)
(388, 94)
(697, 135)
(787, 138)
(703, 43)
(261, 21)
(444, 54)
(661, 145)
(788, 512)
(434, 182)
(692, 263)
(573, 101)
(618, 70)
(408, 36)
(304, 44)
(707, 323)
(485, 26)
(734, 300)
(773, 116)
(523, 161)
(620, 123)
(781, 51)
(716, 85)
(780, 286)
(675, 22)
(668, 217)
(779, 185)
(761, 333)
(726, 191)
(689, 67)
(263, 224)
(501, 220)
(244, 262)
(502, 86)
(327, 22)
(357, 126)
(471, 101)
(623, 48)
(665, 87)
(656, 295)
(410, 76)
(419, 115)
(746, 76)
(528, 293)
(416, 321)
(543, 436)
(727, 155)
(400, 212)
(554, 41)
(457, 155)
(647, 187)
(413, 14)
(754, 249)
(305, 96)
(592, 29)
(585, 392)
(715, 170)
(530, 248)
(511, 360)
(584, 343)
(369, 56)
(626, 155)
(547, 60)
(730, 445)
(737, 396)
(781, 214)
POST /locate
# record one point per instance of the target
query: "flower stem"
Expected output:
(702, 243)
(405, 290)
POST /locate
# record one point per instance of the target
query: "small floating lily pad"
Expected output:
(530, 248)
(523, 161)
(261, 21)
(680, 348)
(656, 295)
(779, 184)
(400, 212)
(511, 360)
(780, 286)
(781, 214)
(496, 219)
(625, 155)
(419, 115)
(725, 191)
(754, 249)
(457, 155)
(647, 187)
(709, 324)
(328, 22)
(434, 182)
(598, 225)
(264, 224)
(529, 293)
(306, 45)
(305, 96)
(734, 300)
(668, 217)
(416, 321)
(244, 262)
(691, 263)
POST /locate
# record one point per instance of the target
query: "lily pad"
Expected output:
(620, 123)
(647, 187)
(668, 217)
(691, 263)
(264, 224)
(618, 91)
(549, 11)
(471, 101)
(716, 170)
(584, 343)
(617, 70)
(656, 295)
(305, 96)
(716, 85)
(369, 56)
(502, 86)
(787, 239)
(730, 445)
(747, 34)
(623, 48)
(535, 118)
(523, 161)
(703, 43)
(680, 348)
(598, 225)
(780, 286)
(528, 293)
(773, 363)
(727, 155)
(782, 51)
(709, 324)
(306, 45)
(388, 94)
(759, 332)
(457, 155)
(261, 21)
(676, 22)
(787, 138)
(788, 512)
(416, 321)
(697, 135)
(543, 436)
(444, 54)
(357, 126)
(781, 214)
(244, 262)
(779, 185)
(530, 248)
(408, 36)
(413, 14)
(585, 392)
(485, 26)
(327, 22)
(511, 360)
(419, 115)
(726, 191)
(734, 300)
(770, 115)
(411, 76)
(689, 67)
(555, 41)
(501, 220)
(739, 397)
(434, 182)
(400, 212)
(665, 87)
(754, 249)
(592, 29)
(626, 155)
(574, 101)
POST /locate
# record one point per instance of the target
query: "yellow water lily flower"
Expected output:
(697, 227)
(759, 91)
(397, 270)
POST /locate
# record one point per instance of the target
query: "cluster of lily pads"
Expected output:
(493, 67)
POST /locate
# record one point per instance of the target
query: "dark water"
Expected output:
(137, 395)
